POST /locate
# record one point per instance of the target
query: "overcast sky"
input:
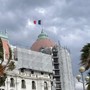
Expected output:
(65, 20)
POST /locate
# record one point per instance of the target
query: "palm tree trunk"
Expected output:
(88, 88)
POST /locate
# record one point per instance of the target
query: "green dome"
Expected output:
(3, 36)
(42, 35)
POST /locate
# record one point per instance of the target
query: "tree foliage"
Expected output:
(9, 66)
(2, 79)
(85, 59)
(88, 88)
(85, 56)
(1, 50)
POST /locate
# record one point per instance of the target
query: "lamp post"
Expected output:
(87, 78)
(81, 70)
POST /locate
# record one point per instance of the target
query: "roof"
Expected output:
(43, 41)
(5, 44)
(33, 60)
(3, 35)
(42, 35)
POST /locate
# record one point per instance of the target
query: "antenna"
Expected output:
(6, 31)
(59, 43)
(42, 30)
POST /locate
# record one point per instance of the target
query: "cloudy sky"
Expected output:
(65, 20)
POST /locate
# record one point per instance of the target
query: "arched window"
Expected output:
(33, 85)
(45, 86)
(23, 84)
(12, 84)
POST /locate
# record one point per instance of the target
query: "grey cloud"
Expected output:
(76, 9)
(61, 19)
(25, 5)
(15, 13)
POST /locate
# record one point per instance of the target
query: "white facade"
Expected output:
(65, 66)
(37, 69)
(37, 77)
(42, 67)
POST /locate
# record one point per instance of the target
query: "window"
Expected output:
(58, 85)
(56, 60)
(22, 70)
(32, 72)
(45, 86)
(52, 83)
(23, 84)
(56, 72)
(57, 78)
(41, 49)
(56, 66)
(12, 84)
(33, 85)
(42, 73)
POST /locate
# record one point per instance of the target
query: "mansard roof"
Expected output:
(33, 60)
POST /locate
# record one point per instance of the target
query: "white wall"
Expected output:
(28, 77)
(67, 80)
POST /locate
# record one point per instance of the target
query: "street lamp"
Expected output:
(78, 77)
(87, 78)
(81, 70)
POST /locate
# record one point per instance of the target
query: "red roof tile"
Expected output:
(42, 43)
(6, 48)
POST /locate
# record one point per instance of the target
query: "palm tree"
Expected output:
(85, 56)
(88, 83)
(88, 88)
(85, 59)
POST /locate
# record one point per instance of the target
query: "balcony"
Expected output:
(58, 82)
(58, 89)
(55, 57)
(56, 75)
(58, 86)
(55, 69)
(33, 75)
(55, 63)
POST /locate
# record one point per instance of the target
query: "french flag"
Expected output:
(37, 22)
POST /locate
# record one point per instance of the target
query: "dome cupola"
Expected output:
(42, 35)
(43, 43)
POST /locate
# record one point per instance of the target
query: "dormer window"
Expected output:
(42, 73)
(32, 72)
(22, 70)
(41, 49)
